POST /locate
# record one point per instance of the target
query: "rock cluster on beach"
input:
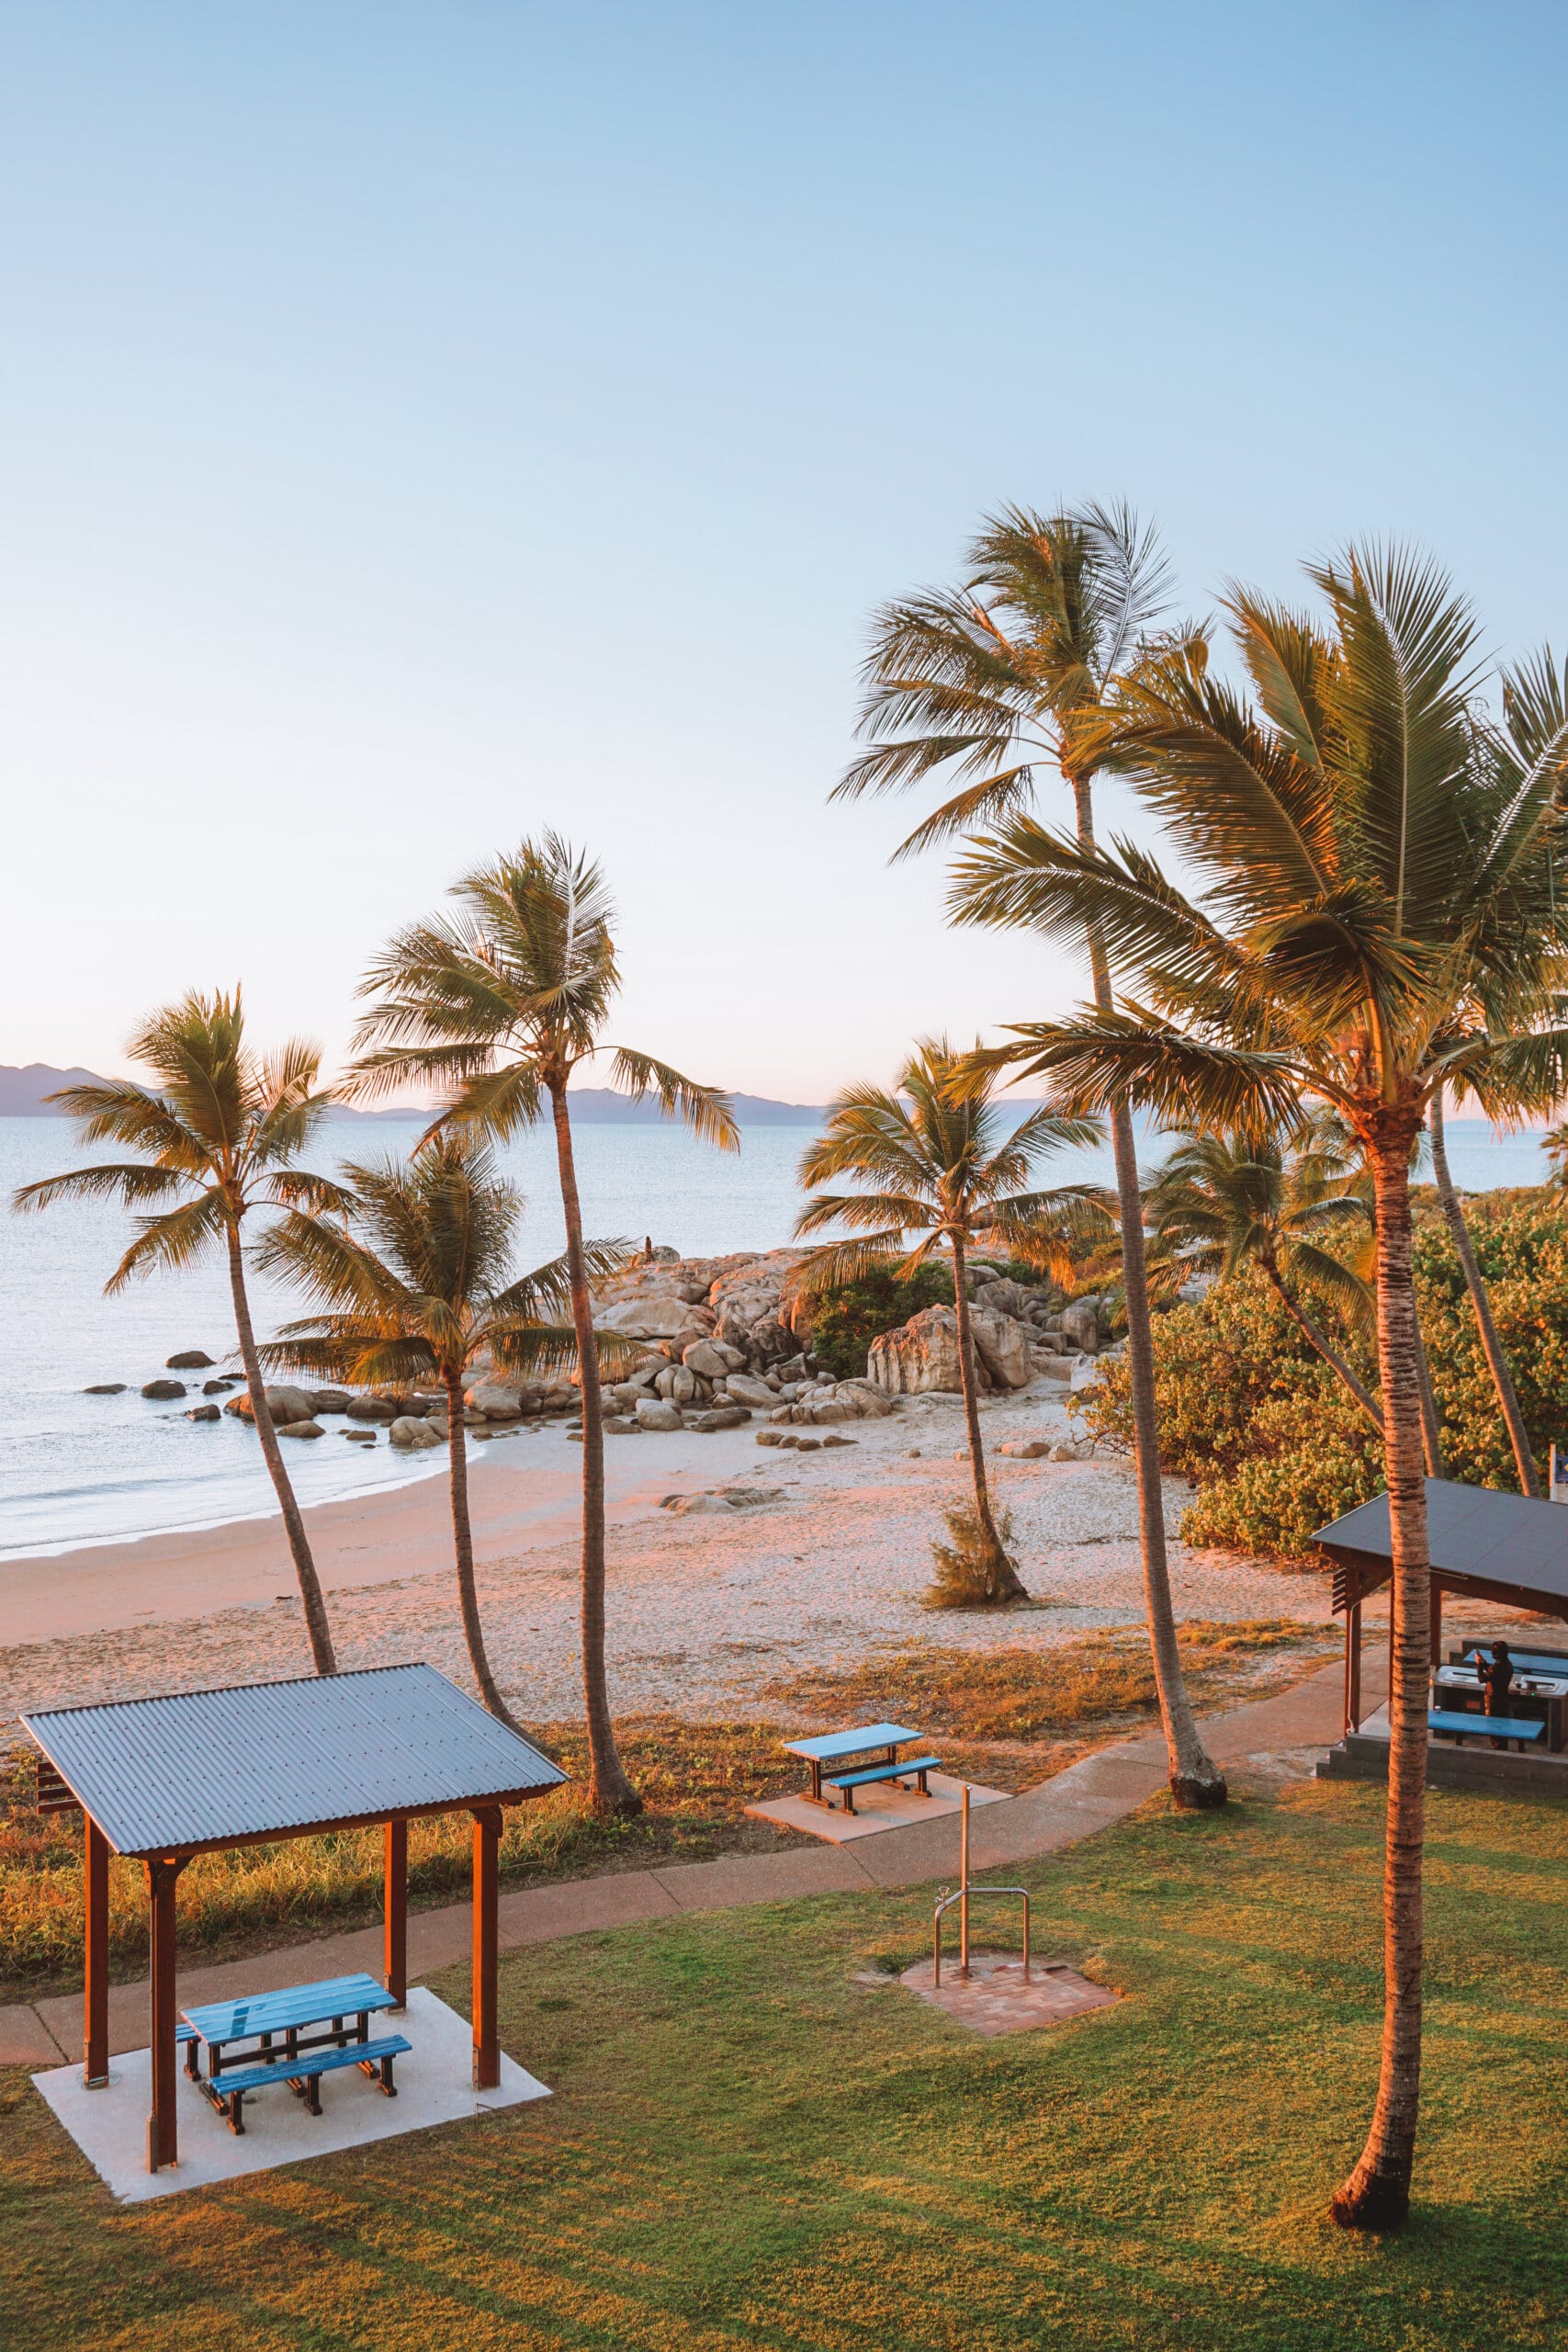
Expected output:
(710, 1343)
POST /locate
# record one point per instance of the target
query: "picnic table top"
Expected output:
(334, 1996)
(1526, 1684)
(851, 1743)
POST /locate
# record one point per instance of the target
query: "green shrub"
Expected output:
(1253, 1416)
(846, 1320)
(1521, 1243)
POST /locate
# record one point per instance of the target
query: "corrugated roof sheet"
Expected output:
(199, 1766)
(1470, 1532)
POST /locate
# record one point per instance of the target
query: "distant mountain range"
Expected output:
(23, 1093)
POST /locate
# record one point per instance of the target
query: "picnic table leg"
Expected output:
(486, 2044)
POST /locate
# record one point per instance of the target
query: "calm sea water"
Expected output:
(77, 1469)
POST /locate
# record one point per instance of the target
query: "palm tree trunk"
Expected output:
(609, 1790)
(1323, 1345)
(463, 1547)
(1377, 2194)
(316, 1625)
(1195, 1779)
(1480, 1298)
(1002, 1582)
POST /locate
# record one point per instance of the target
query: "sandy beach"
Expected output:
(823, 1558)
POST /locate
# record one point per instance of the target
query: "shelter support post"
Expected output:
(96, 1984)
(1437, 1622)
(487, 2046)
(163, 1878)
(395, 1912)
(1353, 1666)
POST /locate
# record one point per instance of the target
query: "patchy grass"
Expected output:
(1015, 1692)
(695, 1779)
(749, 2148)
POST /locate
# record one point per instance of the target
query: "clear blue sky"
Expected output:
(424, 423)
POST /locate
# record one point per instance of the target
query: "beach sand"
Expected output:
(704, 1608)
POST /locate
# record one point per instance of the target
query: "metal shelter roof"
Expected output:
(1504, 1543)
(205, 1768)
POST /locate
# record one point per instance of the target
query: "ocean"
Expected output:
(80, 1470)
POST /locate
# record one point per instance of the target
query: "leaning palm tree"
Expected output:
(983, 686)
(1373, 887)
(500, 1006)
(217, 1137)
(942, 1165)
(1226, 1199)
(1492, 1346)
(424, 1290)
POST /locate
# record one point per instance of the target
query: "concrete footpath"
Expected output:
(1087, 1797)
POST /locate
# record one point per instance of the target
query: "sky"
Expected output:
(423, 425)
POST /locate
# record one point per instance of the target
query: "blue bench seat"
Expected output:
(915, 1769)
(226, 2091)
(1448, 1724)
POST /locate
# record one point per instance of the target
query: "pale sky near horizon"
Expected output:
(419, 425)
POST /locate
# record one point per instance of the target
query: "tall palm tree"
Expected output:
(500, 1006)
(1224, 1199)
(424, 1290)
(940, 1164)
(986, 684)
(1373, 884)
(219, 1137)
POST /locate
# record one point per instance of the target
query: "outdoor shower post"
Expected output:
(964, 1884)
(1353, 1666)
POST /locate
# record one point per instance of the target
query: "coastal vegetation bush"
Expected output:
(847, 1316)
(1269, 1438)
(974, 1567)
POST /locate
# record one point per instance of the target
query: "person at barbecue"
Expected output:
(1497, 1681)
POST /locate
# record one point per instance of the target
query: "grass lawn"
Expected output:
(749, 2147)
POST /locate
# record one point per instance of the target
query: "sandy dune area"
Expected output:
(824, 1557)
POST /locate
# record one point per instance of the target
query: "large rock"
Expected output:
(745, 1388)
(712, 1358)
(163, 1392)
(656, 1318)
(362, 1408)
(1080, 1324)
(723, 1417)
(204, 1413)
(496, 1403)
(286, 1405)
(106, 1388)
(654, 1413)
(1002, 1347)
(331, 1400)
(412, 1434)
(189, 1360)
(919, 1358)
(301, 1429)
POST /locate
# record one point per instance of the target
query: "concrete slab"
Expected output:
(996, 1997)
(884, 1807)
(109, 2126)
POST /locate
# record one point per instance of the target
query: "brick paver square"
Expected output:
(997, 1998)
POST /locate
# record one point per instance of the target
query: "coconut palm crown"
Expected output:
(1375, 912)
(499, 1006)
(946, 1167)
(423, 1291)
(218, 1138)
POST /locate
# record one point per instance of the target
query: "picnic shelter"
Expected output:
(162, 1779)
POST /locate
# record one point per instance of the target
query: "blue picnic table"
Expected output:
(877, 1744)
(285, 2050)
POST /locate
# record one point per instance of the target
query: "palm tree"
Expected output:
(989, 681)
(217, 1136)
(941, 1166)
(1374, 887)
(1554, 1142)
(425, 1295)
(500, 1007)
(1223, 1200)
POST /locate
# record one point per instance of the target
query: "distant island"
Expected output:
(24, 1091)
